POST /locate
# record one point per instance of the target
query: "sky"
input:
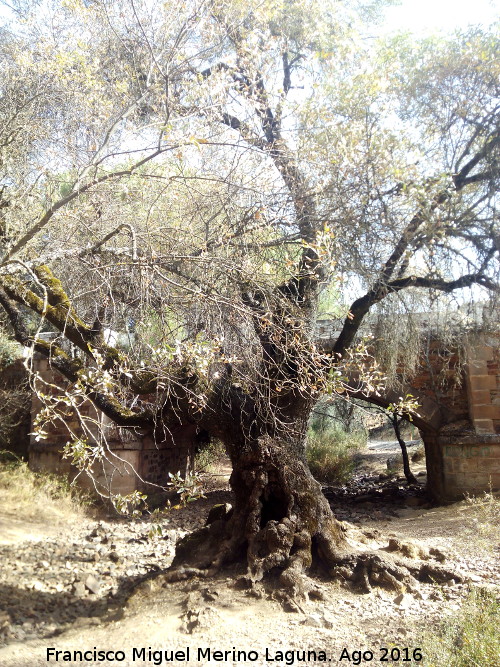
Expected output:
(425, 16)
(422, 16)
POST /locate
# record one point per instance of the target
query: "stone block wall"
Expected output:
(483, 385)
(468, 461)
(440, 380)
(116, 474)
(133, 460)
(470, 464)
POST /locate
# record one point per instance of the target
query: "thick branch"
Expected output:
(361, 306)
(109, 236)
(460, 181)
(287, 79)
(462, 178)
(57, 313)
(247, 134)
(238, 76)
(406, 238)
(383, 285)
(302, 289)
(72, 369)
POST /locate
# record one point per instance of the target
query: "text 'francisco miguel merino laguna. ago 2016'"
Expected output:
(285, 657)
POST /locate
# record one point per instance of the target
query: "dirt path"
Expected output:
(185, 623)
(13, 529)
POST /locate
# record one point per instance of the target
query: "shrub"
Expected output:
(482, 519)
(209, 456)
(470, 637)
(331, 454)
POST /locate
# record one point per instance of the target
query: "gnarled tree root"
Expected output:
(292, 556)
(283, 525)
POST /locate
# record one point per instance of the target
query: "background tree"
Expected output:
(194, 174)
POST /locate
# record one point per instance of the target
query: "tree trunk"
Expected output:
(282, 524)
(280, 519)
(280, 515)
(410, 477)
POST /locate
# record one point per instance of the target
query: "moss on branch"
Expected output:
(64, 319)
(57, 309)
(55, 292)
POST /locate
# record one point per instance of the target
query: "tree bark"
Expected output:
(410, 477)
(281, 524)
(280, 518)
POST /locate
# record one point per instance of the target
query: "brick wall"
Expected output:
(471, 464)
(471, 458)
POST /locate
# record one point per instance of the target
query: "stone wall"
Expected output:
(459, 420)
(483, 386)
(133, 460)
(463, 453)
(471, 458)
(471, 464)
(439, 379)
(459, 417)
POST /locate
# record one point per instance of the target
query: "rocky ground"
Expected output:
(78, 587)
(85, 570)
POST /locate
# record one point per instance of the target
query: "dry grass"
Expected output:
(482, 520)
(37, 497)
(210, 457)
(469, 638)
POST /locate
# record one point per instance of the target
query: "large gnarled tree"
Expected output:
(191, 175)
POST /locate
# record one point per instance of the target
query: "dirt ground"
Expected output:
(207, 622)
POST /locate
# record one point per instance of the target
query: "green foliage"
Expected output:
(131, 504)
(209, 456)
(176, 211)
(406, 406)
(8, 462)
(469, 638)
(160, 329)
(335, 437)
(81, 453)
(331, 453)
(9, 350)
(188, 488)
